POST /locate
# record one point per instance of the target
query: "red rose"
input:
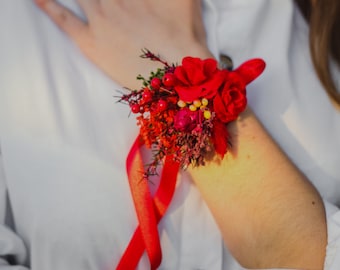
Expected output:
(231, 100)
(197, 78)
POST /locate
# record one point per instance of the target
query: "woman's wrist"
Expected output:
(254, 185)
(176, 54)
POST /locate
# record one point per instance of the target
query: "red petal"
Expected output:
(188, 94)
(193, 68)
(220, 138)
(181, 75)
(251, 69)
(210, 66)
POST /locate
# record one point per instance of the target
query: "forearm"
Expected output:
(268, 213)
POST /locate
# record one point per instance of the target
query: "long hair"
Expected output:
(323, 17)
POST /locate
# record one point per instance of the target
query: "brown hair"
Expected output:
(323, 17)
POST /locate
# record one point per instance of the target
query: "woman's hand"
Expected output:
(117, 30)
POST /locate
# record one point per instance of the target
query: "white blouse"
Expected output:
(65, 202)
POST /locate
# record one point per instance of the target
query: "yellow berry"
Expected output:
(181, 104)
(207, 114)
(192, 108)
(197, 103)
(205, 102)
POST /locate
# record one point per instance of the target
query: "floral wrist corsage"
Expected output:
(183, 110)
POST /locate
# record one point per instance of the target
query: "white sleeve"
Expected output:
(12, 249)
(332, 261)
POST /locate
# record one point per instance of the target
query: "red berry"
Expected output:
(168, 80)
(162, 105)
(147, 95)
(155, 83)
(135, 108)
(169, 119)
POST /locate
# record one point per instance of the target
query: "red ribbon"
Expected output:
(149, 210)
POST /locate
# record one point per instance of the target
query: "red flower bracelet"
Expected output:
(183, 112)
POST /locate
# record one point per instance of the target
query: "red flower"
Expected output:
(197, 78)
(186, 120)
(231, 100)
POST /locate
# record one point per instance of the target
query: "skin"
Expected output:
(267, 210)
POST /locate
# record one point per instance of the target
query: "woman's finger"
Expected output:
(90, 7)
(66, 20)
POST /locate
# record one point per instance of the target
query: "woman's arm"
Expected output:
(268, 212)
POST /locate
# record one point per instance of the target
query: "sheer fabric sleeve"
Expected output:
(13, 252)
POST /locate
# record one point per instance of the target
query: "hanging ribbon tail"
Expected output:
(143, 204)
(149, 211)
